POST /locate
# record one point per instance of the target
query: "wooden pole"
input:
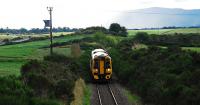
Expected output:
(50, 9)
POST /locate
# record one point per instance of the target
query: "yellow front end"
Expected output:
(108, 73)
(95, 74)
(102, 69)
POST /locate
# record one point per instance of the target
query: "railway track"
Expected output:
(106, 95)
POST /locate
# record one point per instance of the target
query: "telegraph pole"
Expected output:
(50, 9)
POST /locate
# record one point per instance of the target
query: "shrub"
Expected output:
(29, 66)
(14, 92)
(63, 90)
(53, 78)
(39, 83)
(141, 37)
(85, 66)
(92, 30)
(38, 101)
(104, 40)
(13, 100)
(160, 76)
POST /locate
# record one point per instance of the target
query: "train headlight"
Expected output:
(108, 70)
(95, 70)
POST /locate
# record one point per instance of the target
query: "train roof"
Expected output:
(99, 52)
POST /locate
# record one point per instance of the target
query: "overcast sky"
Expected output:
(76, 13)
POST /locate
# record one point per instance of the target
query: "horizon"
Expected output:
(77, 14)
(144, 28)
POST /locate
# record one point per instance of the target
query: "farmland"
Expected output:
(166, 31)
(12, 36)
(197, 49)
(127, 56)
(13, 56)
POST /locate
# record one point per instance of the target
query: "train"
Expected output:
(100, 65)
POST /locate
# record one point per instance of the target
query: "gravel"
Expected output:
(106, 96)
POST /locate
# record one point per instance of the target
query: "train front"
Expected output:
(101, 65)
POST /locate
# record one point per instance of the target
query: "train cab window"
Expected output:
(107, 64)
(96, 64)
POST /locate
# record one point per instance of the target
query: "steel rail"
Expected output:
(99, 96)
(113, 96)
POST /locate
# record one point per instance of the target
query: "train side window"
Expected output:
(107, 64)
(96, 64)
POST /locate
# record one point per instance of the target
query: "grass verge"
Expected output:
(196, 49)
(87, 94)
(132, 98)
(81, 93)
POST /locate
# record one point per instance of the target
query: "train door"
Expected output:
(102, 66)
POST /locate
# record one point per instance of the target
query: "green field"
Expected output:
(13, 56)
(132, 98)
(196, 49)
(140, 46)
(165, 31)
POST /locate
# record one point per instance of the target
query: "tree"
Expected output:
(123, 31)
(23, 30)
(116, 29)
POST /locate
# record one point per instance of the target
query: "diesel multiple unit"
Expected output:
(100, 65)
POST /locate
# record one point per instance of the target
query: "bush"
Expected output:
(13, 91)
(160, 76)
(85, 66)
(141, 37)
(92, 30)
(12, 86)
(14, 100)
(105, 40)
(52, 78)
(28, 67)
(63, 90)
(40, 84)
(187, 40)
(37, 101)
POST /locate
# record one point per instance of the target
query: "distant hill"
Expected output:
(159, 17)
